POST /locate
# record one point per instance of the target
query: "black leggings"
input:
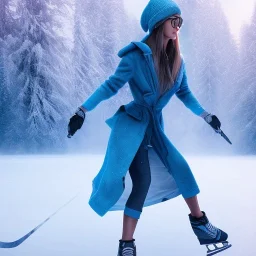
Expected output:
(141, 178)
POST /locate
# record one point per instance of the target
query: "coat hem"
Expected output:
(191, 193)
(172, 195)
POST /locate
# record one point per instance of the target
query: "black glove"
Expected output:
(76, 122)
(213, 121)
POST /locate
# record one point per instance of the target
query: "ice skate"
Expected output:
(127, 248)
(212, 237)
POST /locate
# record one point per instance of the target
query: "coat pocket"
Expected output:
(133, 110)
(111, 121)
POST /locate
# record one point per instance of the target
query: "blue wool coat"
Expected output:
(170, 173)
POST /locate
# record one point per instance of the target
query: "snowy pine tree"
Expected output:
(211, 58)
(244, 112)
(7, 35)
(41, 93)
(86, 56)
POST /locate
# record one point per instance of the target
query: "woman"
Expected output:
(155, 72)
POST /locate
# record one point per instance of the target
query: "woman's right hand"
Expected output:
(76, 121)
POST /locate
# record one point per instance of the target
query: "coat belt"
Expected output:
(156, 125)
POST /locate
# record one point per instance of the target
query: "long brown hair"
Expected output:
(167, 68)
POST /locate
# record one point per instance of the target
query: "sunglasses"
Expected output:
(176, 22)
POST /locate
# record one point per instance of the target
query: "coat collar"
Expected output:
(136, 44)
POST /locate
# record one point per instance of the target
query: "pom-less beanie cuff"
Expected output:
(157, 10)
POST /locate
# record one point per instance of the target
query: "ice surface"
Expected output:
(33, 187)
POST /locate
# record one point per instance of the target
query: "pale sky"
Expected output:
(237, 11)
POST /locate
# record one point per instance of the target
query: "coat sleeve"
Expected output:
(110, 87)
(188, 98)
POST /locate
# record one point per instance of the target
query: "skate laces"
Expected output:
(128, 251)
(206, 231)
(213, 231)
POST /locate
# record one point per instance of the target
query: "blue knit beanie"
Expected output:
(157, 10)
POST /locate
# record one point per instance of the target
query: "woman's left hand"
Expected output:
(213, 121)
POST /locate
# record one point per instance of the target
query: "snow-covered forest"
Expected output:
(55, 53)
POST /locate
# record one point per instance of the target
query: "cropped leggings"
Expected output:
(141, 178)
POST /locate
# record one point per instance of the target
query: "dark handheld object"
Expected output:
(215, 123)
(76, 122)
(223, 135)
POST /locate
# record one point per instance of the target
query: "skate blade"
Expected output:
(217, 247)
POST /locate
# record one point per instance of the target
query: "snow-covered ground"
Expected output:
(33, 187)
